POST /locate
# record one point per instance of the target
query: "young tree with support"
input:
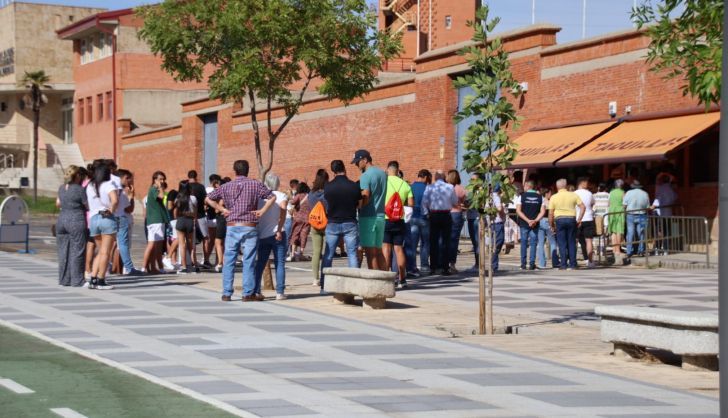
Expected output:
(264, 54)
(488, 149)
(35, 82)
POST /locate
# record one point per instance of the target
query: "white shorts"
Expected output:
(173, 224)
(212, 223)
(155, 232)
(202, 226)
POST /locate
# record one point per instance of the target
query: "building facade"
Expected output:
(28, 43)
(118, 78)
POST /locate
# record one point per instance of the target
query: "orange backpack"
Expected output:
(394, 208)
(317, 217)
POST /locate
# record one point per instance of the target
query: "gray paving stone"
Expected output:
(227, 308)
(17, 316)
(131, 356)
(582, 296)
(663, 416)
(512, 379)
(528, 305)
(299, 367)
(189, 303)
(40, 325)
(443, 363)
(166, 297)
(380, 349)
(340, 337)
(692, 308)
(171, 371)
(419, 403)
(590, 399)
(132, 313)
(217, 387)
(95, 307)
(294, 328)
(144, 321)
(354, 383)
(258, 318)
(66, 301)
(252, 353)
(642, 302)
(272, 407)
(189, 341)
(188, 330)
(544, 290)
(68, 334)
(97, 345)
(7, 309)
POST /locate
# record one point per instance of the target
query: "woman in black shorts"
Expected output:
(220, 232)
(185, 208)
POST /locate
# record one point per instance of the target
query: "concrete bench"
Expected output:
(694, 336)
(373, 286)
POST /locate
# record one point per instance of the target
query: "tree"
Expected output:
(689, 46)
(488, 150)
(35, 81)
(265, 54)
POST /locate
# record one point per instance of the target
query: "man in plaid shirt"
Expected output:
(240, 198)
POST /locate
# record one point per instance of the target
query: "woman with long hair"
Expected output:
(456, 213)
(185, 212)
(301, 227)
(102, 196)
(318, 236)
(157, 218)
(71, 228)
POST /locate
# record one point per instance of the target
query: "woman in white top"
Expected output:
(102, 201)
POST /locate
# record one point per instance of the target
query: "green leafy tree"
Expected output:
(488, 150)
(688, 46)
(35, 82)
(264, 54)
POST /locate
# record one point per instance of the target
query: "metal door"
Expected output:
(209, 146)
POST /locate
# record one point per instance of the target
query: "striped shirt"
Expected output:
(241, 198)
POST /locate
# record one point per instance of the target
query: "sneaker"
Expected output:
(182, 272)
(167, 263)
(206, 266)
(102, 285)
(402, 284)
(85, 285)
(532, 267)
(289, 258)
(218, 268)
(413, 274)
(92, 283)
(134, 272)
(523, 267)
(590, 265)
(259, 297)
(453, 270)
(281, 296)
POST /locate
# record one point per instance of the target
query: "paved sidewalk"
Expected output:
(270, 359)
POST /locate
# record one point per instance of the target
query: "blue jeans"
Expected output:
(544, 233)
(420, 234)
(278, 248)
(566, 237)
(529, 238)
(499, 233)
(411, 258)
(638, 222)
(334, 232)
(473, 232)
(123, 241)
(288, 226)
(236, 237)
(458, 220)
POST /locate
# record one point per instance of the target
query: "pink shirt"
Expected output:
(461, 194)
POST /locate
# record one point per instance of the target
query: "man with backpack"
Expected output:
(373, 185)
(399, 194)
(343, 197)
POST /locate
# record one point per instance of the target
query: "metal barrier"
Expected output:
(662, 235)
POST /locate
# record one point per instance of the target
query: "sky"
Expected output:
(602, 16)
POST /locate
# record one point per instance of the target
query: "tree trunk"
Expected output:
(481, 274)
(36, 124)
(489, 285)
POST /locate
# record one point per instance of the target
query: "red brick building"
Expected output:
(409, 117)
(117, 77)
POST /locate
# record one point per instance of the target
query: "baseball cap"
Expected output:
(360, 155)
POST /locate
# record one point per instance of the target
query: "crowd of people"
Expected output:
(381, 218)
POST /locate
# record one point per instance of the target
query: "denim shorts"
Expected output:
(101, 225)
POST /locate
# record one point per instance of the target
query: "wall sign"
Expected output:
(7, 62)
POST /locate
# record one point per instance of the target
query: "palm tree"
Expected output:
(35, 81)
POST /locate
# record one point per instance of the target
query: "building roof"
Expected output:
(79, 28)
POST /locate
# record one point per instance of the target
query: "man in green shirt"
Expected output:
(395, 230)
(373, 185)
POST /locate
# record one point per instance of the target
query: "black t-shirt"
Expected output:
(199, 192)
(171, 197)
(531, 203)
(342, 196)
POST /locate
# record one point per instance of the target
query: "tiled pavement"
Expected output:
(270, 359)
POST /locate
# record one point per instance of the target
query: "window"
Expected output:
(67, 113)
(89, 54)
(81, 114)
(89, 110)
(109, 105)
(82, 51)
(100, 107)
(448, 22)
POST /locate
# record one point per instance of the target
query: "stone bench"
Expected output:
(373, 286)
(694, 336)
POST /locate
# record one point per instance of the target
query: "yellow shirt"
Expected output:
(564, 203)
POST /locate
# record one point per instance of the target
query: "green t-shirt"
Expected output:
(156, 213)
(374, 180)
(397, 185)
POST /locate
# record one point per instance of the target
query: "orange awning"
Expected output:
(543, 147)
(642, 140)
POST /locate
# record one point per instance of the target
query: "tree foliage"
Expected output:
(35, 82)
(689, 46)
(488, 149)
(265, 53)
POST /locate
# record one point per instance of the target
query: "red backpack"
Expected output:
(394, 208)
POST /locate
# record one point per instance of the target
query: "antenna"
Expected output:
(533, 12)
(583, 19)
